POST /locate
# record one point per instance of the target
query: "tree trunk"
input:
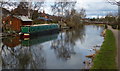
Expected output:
(119, 10)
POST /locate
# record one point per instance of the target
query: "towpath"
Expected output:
(117, 37)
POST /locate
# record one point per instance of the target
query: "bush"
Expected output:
(114, 26)
(106, 27)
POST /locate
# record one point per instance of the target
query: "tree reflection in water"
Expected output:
(22, 57)
(64, 45)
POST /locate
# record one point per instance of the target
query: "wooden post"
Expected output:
(1, 19)
(0, 37)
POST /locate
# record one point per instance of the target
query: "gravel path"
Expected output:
(117, 37)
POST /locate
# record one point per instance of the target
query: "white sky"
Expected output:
(94, 8)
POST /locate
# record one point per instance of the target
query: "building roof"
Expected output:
(24, 18)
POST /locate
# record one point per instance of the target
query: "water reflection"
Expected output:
(24, 55)
(64, 45)
(65, 50)
(22, 59)
(11, 41)
(38, 40)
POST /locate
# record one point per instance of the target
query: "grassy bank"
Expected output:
(105, 59)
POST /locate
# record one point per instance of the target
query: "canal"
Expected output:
(65, 50)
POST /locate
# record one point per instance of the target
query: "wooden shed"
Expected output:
(15, 22)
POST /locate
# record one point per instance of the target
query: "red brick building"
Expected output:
(15, 22)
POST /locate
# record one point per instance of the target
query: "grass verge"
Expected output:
(106, 58)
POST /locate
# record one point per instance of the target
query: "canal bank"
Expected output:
(106, 58)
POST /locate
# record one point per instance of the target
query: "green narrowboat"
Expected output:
(41, 28)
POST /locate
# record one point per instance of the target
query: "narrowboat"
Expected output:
(41, 29)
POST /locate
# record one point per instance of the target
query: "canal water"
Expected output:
(65, 50)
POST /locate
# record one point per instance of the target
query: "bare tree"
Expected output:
(35, 6)
(74, 18)
(83, 13)
(38, 5)
(62, 9)
(114, 2)
(8, 4)
(59, 8)
(22, 9)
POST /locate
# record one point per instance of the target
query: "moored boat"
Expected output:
(39, 29)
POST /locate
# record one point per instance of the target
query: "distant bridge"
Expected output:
(97, 22)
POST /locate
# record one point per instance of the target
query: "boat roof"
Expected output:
(39, 24)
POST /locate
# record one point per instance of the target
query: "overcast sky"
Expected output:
(94, 8)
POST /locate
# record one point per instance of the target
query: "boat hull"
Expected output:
(46, 32)
(39, 30)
